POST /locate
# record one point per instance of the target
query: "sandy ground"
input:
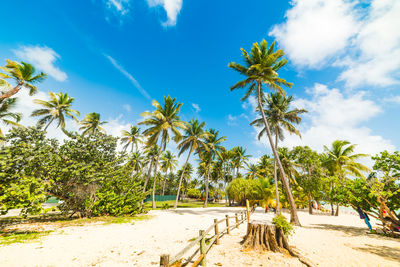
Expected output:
(325, 240)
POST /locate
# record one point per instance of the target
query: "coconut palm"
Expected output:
(168, 164)
(135, 161)
(24, 75)
(161, 121)
(91, 124)
(55, 109)
(239, 158)
(213, 142)
(185, 173)
(340, 160)
(281, 119)
(192, 141)
(261, 68)
(8, 117)
(253, 172)
(131, 138)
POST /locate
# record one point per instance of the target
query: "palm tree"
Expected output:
(253, 172)
(151, 154)
(280, 119)
(239, 158)
(6, 115)
(340, 161)
(261, 67)
(192, 141)
(24, 75)
(56, 108)
(185, 173)
(135, 161)
(91, 124)
(213, 142)
(168, 164)
(131, 138)
(161, 121)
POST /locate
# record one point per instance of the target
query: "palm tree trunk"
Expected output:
(207, 180)
(155, 177)
(164, 183)
(45, 128)
(277, 211)
(12, 92)
(293, 213)
(180, 179)
(147, 180)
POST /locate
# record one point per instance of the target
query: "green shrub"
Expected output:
(194, 193)
(241, 189)
(165, 206)
(281, 222)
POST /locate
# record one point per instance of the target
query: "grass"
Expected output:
(183, 204)
(7, 238)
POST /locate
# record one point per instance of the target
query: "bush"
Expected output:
(241, 189)
(165, 206)
(281, 222)
(194, 193)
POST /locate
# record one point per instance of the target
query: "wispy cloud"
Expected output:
(43, 58)
(196, 107)
(128, 75)
(172, 7)
(127, 107)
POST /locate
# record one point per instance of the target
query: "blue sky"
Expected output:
(115, 56)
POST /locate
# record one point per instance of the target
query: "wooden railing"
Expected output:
(167, 261)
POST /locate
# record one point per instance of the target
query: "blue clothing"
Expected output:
(367, 222)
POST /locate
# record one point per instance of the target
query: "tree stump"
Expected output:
(263, 235)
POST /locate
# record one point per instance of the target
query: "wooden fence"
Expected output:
(231, 222)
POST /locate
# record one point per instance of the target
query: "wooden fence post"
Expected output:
(248, 210)
(241, 214)
(237, 220)
(203, 247)
(164, 260)
(227, 224)
(216, 231)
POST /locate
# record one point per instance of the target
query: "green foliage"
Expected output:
(165, 206)
(281, 222)
(241, 189)
(7, 238)
(194, 193)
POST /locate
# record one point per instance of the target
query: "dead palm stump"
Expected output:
(262, 235)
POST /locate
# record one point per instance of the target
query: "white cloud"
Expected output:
(315, 30)
(334, 116)
(127, 107)
(393, 99)
(364, 40)
(43, 58)
(232, 120)
(128, 75)
(172, 7)
(196, 107)
(119, 6)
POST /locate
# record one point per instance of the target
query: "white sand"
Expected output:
(326, 240)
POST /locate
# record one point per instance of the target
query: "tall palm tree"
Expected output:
(135, 161)
(185, 173)
(91, 124)
(151, 154)
(131, 138)
(161, 121)
(168, 164)
(340, 160)
(213, 142)
(280, 119)
(6, 115)
(253, 171)
(192, 141)
(239, 158)
(56, 108)
(261, 68)
(24, 75)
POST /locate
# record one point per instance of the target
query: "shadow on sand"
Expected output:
(386, 252)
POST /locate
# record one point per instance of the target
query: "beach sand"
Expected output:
(325, 240)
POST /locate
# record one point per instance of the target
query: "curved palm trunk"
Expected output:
(12, 92)
(180, 180)
(147, 179)
(293, 213)
(155, 177)
(45, 128)
(207, 181)
(277, 211)
(164, 183)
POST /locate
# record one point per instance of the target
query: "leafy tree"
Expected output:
(192, 141)
(56, 108)
(91, 124)
(280, 119)
(261, 68)
(241, 189)
(6, 115)
(131, 138)
(168, 164)
(340, 161)
(194, 193)
(161, 121)
(23, 74)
